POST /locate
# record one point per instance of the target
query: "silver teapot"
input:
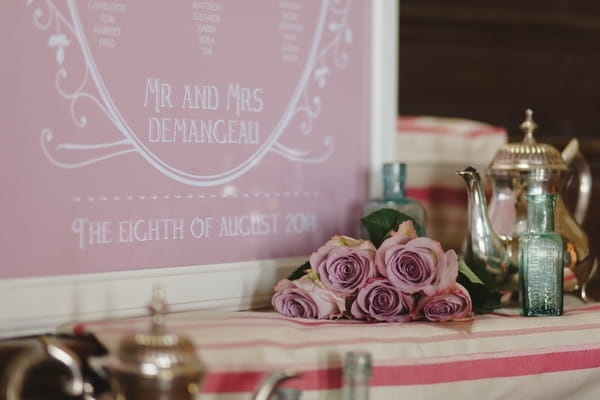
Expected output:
(524, 168)
(161, 365)
(156, 364)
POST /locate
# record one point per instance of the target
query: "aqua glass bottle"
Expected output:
(394, 195)
(541, 259)
(356, 376)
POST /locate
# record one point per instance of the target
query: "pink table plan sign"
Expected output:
(145, 142)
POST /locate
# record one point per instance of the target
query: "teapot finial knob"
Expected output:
(528, 126)
(158, 309)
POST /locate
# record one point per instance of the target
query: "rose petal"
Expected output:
(453, 304)
(303, 298)
(381, 301)
(344, 264)
(418, 265)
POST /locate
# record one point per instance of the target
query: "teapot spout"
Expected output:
(484, 248)
(269, 383)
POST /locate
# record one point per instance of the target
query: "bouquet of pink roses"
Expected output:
(406, 277)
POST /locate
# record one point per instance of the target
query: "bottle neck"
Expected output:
(394, 176)
(540, 213)
(393, 188)
(356, 376)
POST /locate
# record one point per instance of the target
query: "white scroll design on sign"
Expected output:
(324, 56)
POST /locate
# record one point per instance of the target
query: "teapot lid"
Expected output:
(528, 154)
(158, 354)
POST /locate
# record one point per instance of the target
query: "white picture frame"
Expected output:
(41, 304)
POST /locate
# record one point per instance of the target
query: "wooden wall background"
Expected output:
(491, 60)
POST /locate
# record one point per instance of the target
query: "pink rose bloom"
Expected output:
(416, 264)
(304, 298)
(452, 305)
(344, 264)
(381, 301)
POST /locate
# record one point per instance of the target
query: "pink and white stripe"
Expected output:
(416, 359)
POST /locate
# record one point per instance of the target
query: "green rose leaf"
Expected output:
(299, 272)
(379, 224)
(485, 298)
(478, 268)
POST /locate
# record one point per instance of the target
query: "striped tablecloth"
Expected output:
(496, 356)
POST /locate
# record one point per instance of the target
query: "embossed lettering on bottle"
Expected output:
(541, 260)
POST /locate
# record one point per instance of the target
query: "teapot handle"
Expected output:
(584, 178)
(44, 349)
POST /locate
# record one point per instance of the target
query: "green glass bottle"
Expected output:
(541, 259)
(394, 195)
(356, 375)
